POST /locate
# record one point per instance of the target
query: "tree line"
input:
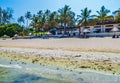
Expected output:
(62, 18)
(65, 17)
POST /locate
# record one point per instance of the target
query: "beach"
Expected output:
(66, 60)
(74, 44)
(98, 54)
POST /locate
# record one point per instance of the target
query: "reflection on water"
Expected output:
(30, 73)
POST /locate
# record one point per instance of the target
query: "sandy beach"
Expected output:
(73, 44)
(99, 54)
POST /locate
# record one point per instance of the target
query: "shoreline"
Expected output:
(62, 75)
(65, 59)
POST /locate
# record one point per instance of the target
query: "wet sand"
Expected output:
(96, 61)
(16, 71)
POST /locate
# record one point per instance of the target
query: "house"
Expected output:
(97, 29)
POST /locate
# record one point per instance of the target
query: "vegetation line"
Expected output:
(47, 20)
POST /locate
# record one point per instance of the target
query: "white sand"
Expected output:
(77, 56)
(68, 43)
(66, 48)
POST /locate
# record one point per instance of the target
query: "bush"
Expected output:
(10, 30)
(6, 37)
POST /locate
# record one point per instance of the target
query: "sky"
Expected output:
(20, 7)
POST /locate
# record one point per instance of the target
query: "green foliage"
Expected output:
(31, 29)
(21, 20)
(2, 30)
(39, 33)
(5, 36)
(102, 14)
(45, 20)
(5, 15)
(84, 17)
(10, 30)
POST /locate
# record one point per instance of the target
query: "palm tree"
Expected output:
(5, 15)
(53, 19)
(0, 16)
(21, 20)
(117, 14)
(47, 14)
(38, 21)
(39, 13)
(65, 15)
(35, 22)
(45, 19)
(83, 18)
(28, 16)
(102, 15)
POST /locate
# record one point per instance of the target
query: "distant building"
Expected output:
(97, 29)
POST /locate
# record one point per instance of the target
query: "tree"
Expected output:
(65, 15)
(53, 20)
(28, 16)
(45, 20)
(1, 16)
(10, 29)
(38, 20)
(84, 18)
(5, 15)
(21, 20)
(47, 14)
(102, 15)
(117, 14)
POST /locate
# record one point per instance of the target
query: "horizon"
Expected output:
(20, 7)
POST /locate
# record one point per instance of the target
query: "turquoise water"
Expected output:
(17, 72)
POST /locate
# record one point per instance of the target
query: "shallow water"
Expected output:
(16, 72)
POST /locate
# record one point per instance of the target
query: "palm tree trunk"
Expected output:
(27, 23)
(79, 31)
(0, 18)
(102, 27)
(64, 29)
(20, 24)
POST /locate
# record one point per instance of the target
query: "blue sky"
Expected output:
(21, 6)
